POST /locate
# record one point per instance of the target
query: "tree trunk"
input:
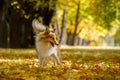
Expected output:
(76, 24)
(47, 12)
(69, 38)
(63, 28)
(20, 30)
(3, 24)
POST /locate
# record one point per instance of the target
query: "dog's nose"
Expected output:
(56, 43)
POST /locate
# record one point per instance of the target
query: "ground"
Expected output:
(22, 64)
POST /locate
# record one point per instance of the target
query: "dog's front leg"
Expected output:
(56, 59)
(41, 60)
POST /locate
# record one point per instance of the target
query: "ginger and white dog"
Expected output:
(46, 42)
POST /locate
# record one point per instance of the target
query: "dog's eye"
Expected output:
(52, 31)
(52, 38)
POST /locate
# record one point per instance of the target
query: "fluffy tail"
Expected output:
(37, 26)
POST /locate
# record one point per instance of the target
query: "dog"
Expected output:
(46, 43)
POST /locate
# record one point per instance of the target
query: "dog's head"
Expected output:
(45, 33)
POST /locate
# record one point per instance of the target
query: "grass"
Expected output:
(22, 64)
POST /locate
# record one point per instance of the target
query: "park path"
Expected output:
(65, 47)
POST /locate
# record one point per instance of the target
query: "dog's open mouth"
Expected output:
(53, 44)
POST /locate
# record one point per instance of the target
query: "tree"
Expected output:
(63, 28)
(101, 13)
(76, 23)
(19, 17)
(4, 33)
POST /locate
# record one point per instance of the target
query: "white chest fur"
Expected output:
(45, 49)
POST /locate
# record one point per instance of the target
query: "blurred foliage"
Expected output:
(117, 36)
(104, 11)
(96, 17)
(34, 8)
(81, 65)
(95, 21)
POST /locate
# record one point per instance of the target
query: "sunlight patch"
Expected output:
(18, 60)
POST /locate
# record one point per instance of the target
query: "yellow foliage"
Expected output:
(14, 3)
(18, 7)
(76, 65)
(26, 16)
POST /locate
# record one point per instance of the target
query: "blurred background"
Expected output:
(78, 22)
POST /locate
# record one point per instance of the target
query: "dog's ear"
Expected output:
(47, 31)
(53, 27)
(37, 26)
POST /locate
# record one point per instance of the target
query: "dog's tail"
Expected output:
(37, 26)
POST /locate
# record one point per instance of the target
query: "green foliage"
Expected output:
(80, 65)
(103, 11)
(117, 36)
(93, 14)
(95, 17)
